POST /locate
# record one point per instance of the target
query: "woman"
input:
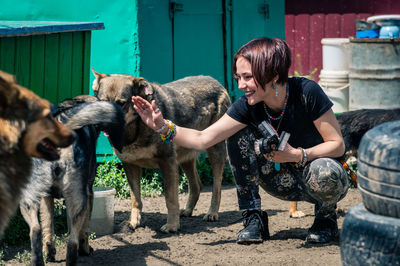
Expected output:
(305, 170)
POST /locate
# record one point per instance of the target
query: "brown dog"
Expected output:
(26, 129)
(194, 102)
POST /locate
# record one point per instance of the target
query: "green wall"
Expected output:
(187, 37)
(113, 50)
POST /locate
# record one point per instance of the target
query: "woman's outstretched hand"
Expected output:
(149, 113)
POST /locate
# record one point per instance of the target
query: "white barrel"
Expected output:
(335, 53)
(335, 84)
(102, 218)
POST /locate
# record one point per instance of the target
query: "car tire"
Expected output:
(379, 169)
(369, 239)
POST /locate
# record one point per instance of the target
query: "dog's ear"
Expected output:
(142, 87)
(7, 93)
(98, 75)
(8, 77)
(96, 82)
(9, 133)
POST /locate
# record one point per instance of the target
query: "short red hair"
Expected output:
(268, 58)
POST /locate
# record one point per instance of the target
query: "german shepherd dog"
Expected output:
(26, 129)
(353, 125)
(71, 177)
(194, 102)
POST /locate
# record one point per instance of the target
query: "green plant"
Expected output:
(299, 72)
(24, 257)
(61, 239)
(1, 258)
(183, 183)
(92, 236)
(17, 231)
(206, 174)
(151, 185)
(111, 174)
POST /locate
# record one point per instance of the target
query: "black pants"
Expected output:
(322, 182)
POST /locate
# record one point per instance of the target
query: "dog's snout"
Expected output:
(68, 140)
(72, 138)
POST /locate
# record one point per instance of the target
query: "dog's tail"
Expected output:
(106, 116)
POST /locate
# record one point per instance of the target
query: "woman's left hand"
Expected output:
(289, 154)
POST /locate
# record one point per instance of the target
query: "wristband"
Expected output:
(162, 127)
(303, 160)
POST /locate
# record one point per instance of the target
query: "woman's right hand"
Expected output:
(149, 113)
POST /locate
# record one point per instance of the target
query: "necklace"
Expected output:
(283, 110)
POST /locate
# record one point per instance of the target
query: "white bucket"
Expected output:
(335, 53)
(336, 86)
(102, 218)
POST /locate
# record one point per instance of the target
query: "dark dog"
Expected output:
(26, 129)
(70, 177)
(194, 102)
(353, 125)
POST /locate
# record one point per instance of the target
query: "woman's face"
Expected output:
(247, 83)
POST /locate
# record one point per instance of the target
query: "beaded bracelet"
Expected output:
(162, 127)
(167, 138)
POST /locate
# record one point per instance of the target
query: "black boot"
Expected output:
(255, 227)
(323, 230)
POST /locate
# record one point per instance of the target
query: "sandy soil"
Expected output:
(210, 243)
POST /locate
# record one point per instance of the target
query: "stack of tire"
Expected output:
(370, 232)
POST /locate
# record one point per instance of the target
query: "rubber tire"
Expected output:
(381, 205)
(380, 146)
(369, 239)
(378, 187)
(379, 169)
(378, 174)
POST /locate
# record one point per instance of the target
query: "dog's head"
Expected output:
(26, 122)
(119, 89)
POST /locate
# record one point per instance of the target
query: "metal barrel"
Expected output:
(374, 73)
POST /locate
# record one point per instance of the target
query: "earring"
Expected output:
(275, 88)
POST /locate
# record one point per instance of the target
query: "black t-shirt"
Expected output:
(306, 103)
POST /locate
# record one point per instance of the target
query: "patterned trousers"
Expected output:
(322, 182)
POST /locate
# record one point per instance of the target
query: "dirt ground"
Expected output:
(210, 243)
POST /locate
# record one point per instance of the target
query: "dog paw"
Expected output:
(167, 228)
(126, 227)
(135, 220)
(211, 217)
(186, 213)
(50, 253)
(296, 214)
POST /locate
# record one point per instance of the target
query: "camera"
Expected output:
(270, 140)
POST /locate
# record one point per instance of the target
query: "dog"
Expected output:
(194, 102)
(26, 129)
(71, 177)
(353, 125)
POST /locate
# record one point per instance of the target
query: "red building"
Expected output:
(308, 21)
